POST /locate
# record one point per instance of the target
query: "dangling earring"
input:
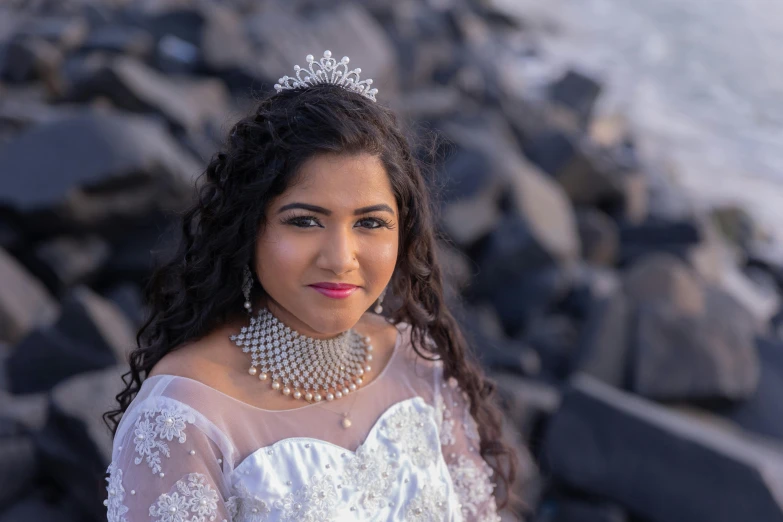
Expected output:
(247, 285)
(378, 308)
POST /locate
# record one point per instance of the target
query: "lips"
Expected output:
(334, 290)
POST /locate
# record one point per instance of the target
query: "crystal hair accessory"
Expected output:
(327, 70)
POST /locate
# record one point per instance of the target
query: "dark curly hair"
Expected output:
(199, 288)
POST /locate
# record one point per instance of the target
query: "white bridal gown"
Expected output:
(185, 452)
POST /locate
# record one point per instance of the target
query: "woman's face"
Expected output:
(338, 224)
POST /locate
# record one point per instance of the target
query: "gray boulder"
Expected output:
(94, 172)
(681, 357)
(660, 464)
(133, 86)
(24, 302)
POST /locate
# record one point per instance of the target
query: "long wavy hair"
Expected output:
(199, 287)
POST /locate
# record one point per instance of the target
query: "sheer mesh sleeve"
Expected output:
(459, 439)
(165, 467)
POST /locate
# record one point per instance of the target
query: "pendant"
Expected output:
(346, 422)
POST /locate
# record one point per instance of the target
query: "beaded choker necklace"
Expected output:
(300, 366)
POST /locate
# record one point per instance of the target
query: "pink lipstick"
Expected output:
(334, 290)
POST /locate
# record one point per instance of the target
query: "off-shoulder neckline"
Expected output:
(392, 359)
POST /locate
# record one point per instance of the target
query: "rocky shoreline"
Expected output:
(636, 342)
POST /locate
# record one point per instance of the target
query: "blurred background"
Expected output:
(610, 183)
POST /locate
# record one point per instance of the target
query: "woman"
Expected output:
(262, 388)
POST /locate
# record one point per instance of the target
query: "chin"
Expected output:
(332, 320)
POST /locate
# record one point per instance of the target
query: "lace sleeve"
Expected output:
(459, 439)
(165, 468)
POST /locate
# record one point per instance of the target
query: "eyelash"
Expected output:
(298, 219)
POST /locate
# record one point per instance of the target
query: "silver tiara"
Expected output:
(328, 70)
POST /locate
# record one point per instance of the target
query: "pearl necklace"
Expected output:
(303, 367)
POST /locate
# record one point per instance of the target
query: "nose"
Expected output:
(338, 252)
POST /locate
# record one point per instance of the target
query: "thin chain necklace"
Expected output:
(303, 367)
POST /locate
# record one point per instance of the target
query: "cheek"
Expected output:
(281, 257)
(380, 256)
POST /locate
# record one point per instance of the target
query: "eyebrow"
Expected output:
(321, 210)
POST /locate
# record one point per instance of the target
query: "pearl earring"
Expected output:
(247, 285)
(378, 308)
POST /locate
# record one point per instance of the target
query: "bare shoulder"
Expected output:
(202, 360)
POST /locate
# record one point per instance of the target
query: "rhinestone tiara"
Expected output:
(327, 70)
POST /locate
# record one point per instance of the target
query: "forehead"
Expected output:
(341, 180)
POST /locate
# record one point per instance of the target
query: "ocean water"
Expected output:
(701, 82)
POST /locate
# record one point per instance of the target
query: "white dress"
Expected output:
(185, 452)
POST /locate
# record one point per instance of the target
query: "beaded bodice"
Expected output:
(186, 452)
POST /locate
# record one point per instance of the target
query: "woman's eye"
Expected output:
(303, 222)
(373, 223)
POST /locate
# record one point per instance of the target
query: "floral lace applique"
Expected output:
(471, 429)
(474, 488)
(429, 505)
(154, 425)
(247, 507)
(445, 421)
(115, 509)
(372, 473)
(414, 431)
(311, 503)
(196, 501)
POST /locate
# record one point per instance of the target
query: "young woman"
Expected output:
(262, 389)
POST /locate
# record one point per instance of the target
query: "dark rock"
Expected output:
(523, 298)
(485, 335)
(666, 280)
(590, 283)
(131, 85)
(572, 510)
(121, 39)
(283, 37)
(27, 60)
(673, 237)
(555, 338)
(605, 340)
(510, 249)
(590, 175)
(91, 334)
(539, 226)
(630, 451)
(110, 169)
(762, 412)
(429, 103)
(24, 303)
(75, 446)
(681, 357)
(20, 465)
(526, 402)
(455, 267)
(599, 237)
(23, 107)
(72, 260)
(38, 506)
(204, 37)
(577, 92)
(156, 233)
(768, 257)
(65, 33)
(28, 411)
(127, 297)
(470, 207)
